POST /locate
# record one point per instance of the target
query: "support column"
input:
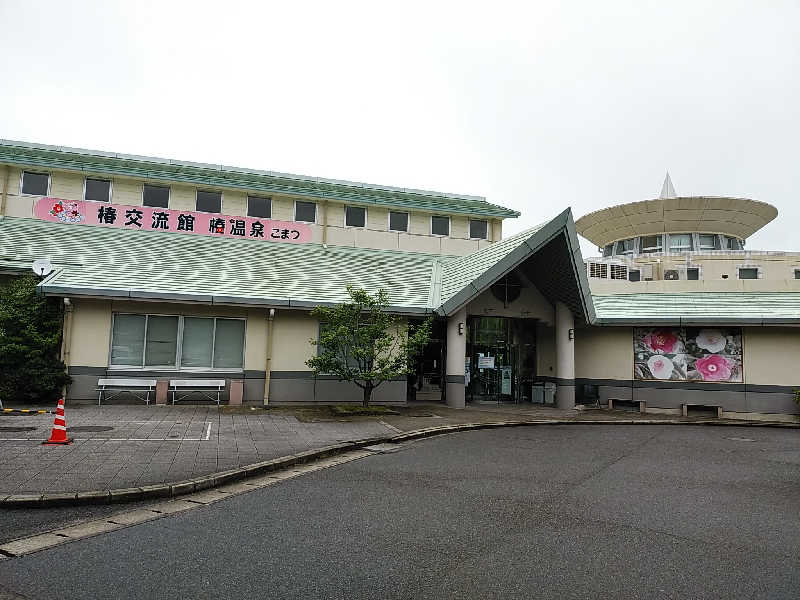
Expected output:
(456, 353)
(565, 357)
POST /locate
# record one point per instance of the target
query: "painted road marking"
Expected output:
(206, 437)
(391, 427)
(162, 508)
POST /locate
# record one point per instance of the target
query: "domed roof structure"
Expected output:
(737, 217)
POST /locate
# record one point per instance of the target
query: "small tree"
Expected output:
(30, 341)
(363, 343)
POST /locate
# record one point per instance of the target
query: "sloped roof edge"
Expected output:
(562, 224)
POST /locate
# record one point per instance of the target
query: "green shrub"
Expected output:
(30, 343)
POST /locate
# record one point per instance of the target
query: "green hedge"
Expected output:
(30, 343)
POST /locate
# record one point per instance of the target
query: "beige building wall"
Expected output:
(771, 356)
(291, 333)
(126, 191)
(604, 353)
(376, 234)
(531, 304)
(545, 351)
(90, 339)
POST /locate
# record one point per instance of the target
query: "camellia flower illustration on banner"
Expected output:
(662, 341)
(712, 340)
(713, 367)
(688, 354)
(68, 213)
(660, 366)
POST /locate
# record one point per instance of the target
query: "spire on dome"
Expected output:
(667, 190)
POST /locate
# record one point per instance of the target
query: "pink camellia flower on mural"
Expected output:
(712, 340)
(660, 366)
(661, 340)
(713, 367)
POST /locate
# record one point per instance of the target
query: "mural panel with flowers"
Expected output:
(687, 354)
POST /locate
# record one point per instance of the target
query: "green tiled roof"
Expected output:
(459, 272)
(698, 308)
(158, 169)
(120, 263)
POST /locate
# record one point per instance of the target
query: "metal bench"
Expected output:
(135, 387)
(204, 387)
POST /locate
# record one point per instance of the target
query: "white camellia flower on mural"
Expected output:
(660, 366)
(712, 340)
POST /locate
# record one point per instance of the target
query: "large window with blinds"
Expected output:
(177, 342)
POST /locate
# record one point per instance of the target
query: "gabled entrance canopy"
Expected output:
(548, 255)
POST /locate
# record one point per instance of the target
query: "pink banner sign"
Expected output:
(147, 218)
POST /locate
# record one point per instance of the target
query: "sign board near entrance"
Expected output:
(486, 362)
(148, 218)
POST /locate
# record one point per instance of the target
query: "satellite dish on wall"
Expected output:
(42, 267)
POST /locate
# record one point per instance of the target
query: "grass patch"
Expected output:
(357, 409)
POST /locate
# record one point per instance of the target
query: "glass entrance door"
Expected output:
(501, 359)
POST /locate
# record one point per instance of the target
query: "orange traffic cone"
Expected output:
(59, 434)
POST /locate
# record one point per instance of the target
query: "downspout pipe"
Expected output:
(268, 365)
(6, 173)
(66, 340)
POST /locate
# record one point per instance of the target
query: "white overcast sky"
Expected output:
(536, 105)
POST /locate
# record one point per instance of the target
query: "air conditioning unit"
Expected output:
(597, 270)
(619, 272)
(646, 272)
(671, 275)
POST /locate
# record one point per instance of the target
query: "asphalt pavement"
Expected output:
(567, 511)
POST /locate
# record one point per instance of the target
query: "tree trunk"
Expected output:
(367, 395)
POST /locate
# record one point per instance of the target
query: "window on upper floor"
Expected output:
(626, 246)
(733, 243)
(355, 216)
(259, 207)
(680, 242)
(305, 211)
(478, 230)
(440, 225)
(748, 272)
(97, 190)
(398, 221)
(156, 196)
(693, 274)
(209, 202)
(651, 243)
(707, 241)
(35, 184)
(797, 273)
(608, 250)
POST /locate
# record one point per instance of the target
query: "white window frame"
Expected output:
(169, 194)
(247, 208)
(669, 243)
(221, 201)
(469, 230)
(449, 226)
(651, 249)
(33, 172)
(346, 206)
(110, 188)
(389, 221)
(759, 272)
(294, 211)
(700, 247)
(178, 347)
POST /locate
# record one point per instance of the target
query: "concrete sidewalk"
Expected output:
(118, 447)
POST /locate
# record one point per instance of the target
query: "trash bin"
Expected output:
(537, 393)
(549, 393)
